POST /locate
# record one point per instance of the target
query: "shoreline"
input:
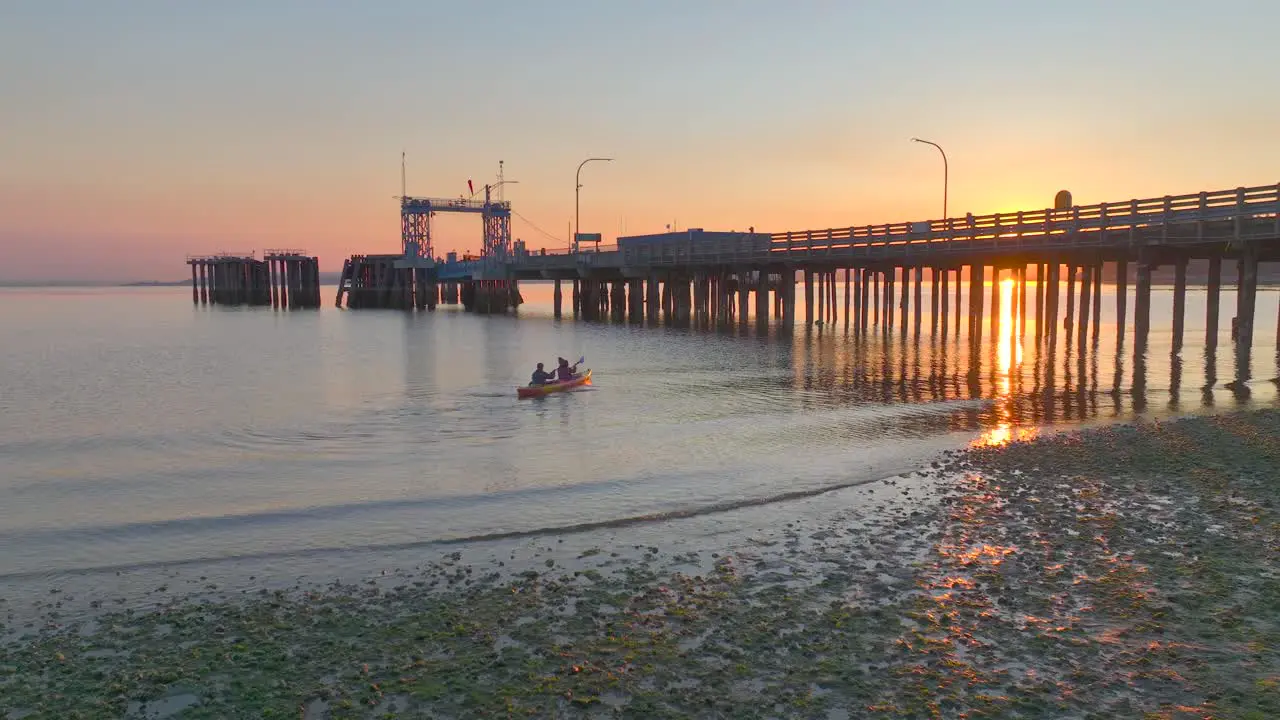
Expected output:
(1119, 570)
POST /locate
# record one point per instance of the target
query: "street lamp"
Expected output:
(944, 173)
(577, 186)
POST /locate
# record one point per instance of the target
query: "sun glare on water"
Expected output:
(1008, 366)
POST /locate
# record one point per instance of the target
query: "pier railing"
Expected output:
(1243, 213)
(1087, 224)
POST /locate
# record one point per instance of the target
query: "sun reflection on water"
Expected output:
(1008, 365)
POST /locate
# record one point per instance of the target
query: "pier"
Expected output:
(868, 278)
(412, 279)
(286, 279)
(716, 278)
(885, 266)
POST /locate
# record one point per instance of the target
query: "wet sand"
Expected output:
(1125, 571)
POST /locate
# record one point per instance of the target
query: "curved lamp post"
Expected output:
(577, 186)
(944, 172)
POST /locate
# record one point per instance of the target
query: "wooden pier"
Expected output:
(720, 279)
(386, 281)
(392, 282)
(287, 279)
(715, 278)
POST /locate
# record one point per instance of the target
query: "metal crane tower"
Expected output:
(415, 224)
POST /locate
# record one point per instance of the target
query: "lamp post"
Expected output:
(577, 187)
(944, 173)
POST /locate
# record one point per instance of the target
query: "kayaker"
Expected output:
(565, 371)
(542, 377)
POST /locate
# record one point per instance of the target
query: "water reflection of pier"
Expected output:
(1023, 365)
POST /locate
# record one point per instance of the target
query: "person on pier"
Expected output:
(542, 377)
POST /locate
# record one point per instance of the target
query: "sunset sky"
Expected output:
(133, 133)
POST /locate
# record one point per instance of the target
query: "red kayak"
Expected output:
(539, 390)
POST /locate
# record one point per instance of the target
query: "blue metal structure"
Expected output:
(415, 229)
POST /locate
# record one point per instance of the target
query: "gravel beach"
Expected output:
(1123, 571)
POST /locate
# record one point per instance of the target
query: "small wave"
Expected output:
(609, 524)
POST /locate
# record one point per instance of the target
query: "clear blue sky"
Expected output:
(162, 128)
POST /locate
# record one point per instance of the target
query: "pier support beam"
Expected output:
(977, 286)
(1097, 300)
(808, 297)
(1179, 301)
(876, 297)
(1246, 295)
(957, 308)
(995, 304)
(917, 299)
(1142, 307)
(904, 301)
(942, 302)
(1086, 297)
(934, 284)
(1040, 285)
(1021, 279)
(785, 296)
(1213, 297)
(1052, 280)
(1069, 321)
(1122, 300)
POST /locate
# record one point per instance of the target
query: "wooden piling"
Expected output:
(1086, 297)
(943, 296)
(976, 289)
(1021, 287)
(1212, 301)
(904, 301)
(1097, 301)
(917, 300)
(1142, 306)
(1246, 295)
(934, 283)
(1179, 301)
(959, 269)
(1068, 323)
(891, 279)
(1040, 285)
(876, 297)
(808, 297)
(1122, 300)
(995, 303)
(635, 300)
(834, 304)
(653, 299)
(822, 296)
(848, 297)
(788, 287)
(1051, 303)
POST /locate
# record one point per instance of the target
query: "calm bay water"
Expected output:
(136, 429)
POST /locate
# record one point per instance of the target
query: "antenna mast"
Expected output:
(402, 183)
(501, 192)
